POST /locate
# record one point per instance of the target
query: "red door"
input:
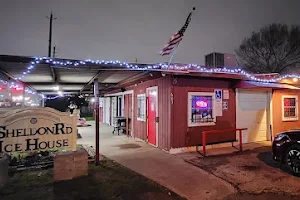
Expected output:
(152, 114)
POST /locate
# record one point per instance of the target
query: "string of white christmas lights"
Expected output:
(153, 67)
(162, 66)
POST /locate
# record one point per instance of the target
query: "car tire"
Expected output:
(292, 159)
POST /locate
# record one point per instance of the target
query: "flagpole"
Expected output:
(173, 53)
(175, 48)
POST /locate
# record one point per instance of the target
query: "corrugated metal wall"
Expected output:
(164, 111)
(182, 135)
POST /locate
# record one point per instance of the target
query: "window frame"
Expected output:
(143, 119)
(285, 119)
(190, 94)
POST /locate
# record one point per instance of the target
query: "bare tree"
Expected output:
(274, 49)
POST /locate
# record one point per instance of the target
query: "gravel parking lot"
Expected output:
(253, 173)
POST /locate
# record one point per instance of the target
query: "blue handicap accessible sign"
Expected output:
(218, 94)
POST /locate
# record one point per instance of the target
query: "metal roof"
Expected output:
(79, 79)
(71, 80)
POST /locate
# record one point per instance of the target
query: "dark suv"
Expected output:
(286, 150)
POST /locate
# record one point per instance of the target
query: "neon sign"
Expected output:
(201, 104)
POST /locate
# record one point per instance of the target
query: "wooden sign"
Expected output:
(31, 129)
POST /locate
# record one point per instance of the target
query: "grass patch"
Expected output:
(89, 118)
(29, 185)
(106, 181)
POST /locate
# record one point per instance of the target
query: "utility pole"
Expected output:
(50, 33)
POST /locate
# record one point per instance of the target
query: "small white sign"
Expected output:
(225, 94)
(225, 105)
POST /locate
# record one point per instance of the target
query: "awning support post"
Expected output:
(96, 94)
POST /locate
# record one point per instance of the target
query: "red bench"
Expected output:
(204, 133)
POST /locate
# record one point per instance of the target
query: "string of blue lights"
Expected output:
(160, 66)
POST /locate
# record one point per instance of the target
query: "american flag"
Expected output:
(176, 38)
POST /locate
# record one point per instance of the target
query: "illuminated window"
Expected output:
(289, 108)
(141, 107)
(201, 109)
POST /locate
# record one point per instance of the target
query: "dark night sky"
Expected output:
(113, 29)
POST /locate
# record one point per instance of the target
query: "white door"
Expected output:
(252, 112)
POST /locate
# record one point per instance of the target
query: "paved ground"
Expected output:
(168, 170)
(108, 181)
(253, 173)
(248, 175)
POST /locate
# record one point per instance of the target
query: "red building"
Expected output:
(169, 106)
(170, 110)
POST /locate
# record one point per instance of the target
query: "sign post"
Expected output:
(96, 94)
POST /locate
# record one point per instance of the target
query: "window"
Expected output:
(141, 107)
(289, 108)
(201, 109)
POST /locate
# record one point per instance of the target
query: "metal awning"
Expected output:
(71, 80)
(254, 84)
(111, 76)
